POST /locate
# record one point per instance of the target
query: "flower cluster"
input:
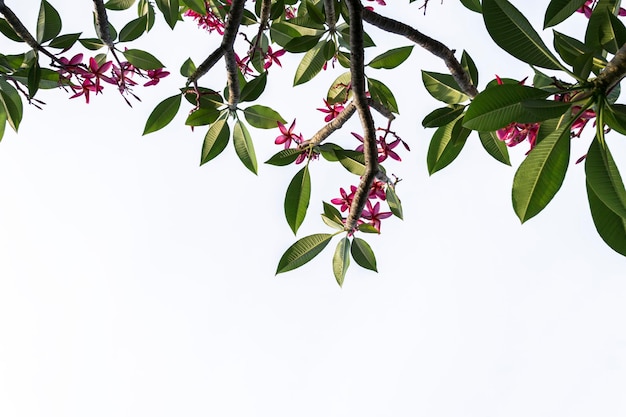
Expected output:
(371, 213)
(288, 136)
(85, 79)
(385, 149)
(209, 22)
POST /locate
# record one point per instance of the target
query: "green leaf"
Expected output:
(615, 117)
(297, 199)
(314, 13)
(604, 178)
(382, 94)
(578, 55)
(367, 228)
(162, 114)
(303, 251)
(473, 5)
(498, 106)
(599, 23)
(512, 32)
(64, 42)
(283, 32)
(363, 254)
(3, 122)
(610, 226)
(142, 59)
(446, 144)
(546, 109)
(341, 260)
(93, 44)
(12, 103)
(613, 34)
(284, 157)
(392, 58)
(559, 10)
(133, 29)
(254, 88)
(187, 68)
(394, 202)
(119, 4)
(169, 8)
(302, 43)
(541, 174)
(311, 64)
(332, 217)
(34, 77)
(353, 161)
(495, 147)
(202, 116)
(443, 87)
(198, 6)
(340, 90)
(468, 65)
(47, 81)
(8, 31)
(48, 22)
(263, 117)
(215, 140)
(443, 116)
(244, 146)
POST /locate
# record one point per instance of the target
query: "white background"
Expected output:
(135, 283)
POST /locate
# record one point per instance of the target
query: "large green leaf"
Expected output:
(363, 254)
(394, 202)
(302, 43)
(443, 116)
(382, 94)
(202, 116)
(473, 5)
(340, 90)
(615, 117)
(341, 260)
(443, 87)
(353, 161)
(541, 174)
(495, 147)
(244, 146)
(215, 140)
(8, 31)
(198, 6)
(142, 59)
(284, 157)
(604, 178)
(297, 199)
(169, 8)
(12, 103)
(162, 114)
(119, 4)
(253, 89)
(48, 22)
(64, 42)
(500, 105)
(134, 29)
(559, 10)
(599, 23)
(3, 122)
(446, 144)
(468, 65)
(263, 117)
(508, 27)
(311, 64)
(391, 58)
(303, 251)
(613, 34)
(610, 226)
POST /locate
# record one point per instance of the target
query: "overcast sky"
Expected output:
(135, 283)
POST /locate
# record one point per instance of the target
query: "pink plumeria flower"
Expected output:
(287, 135)
(377, 190)
(98, 72)
(589, 5)
(580, 123)
(373, 214)
(155, 76)
(271, 57)
(345, 201)
(85, 88)
(331, 110)
(209, 22)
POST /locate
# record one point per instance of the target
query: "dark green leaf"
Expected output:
(284, 157)
(244, 146)
(302, 43)
(3, 122)
(12, 103)
(541, 174)
(495, 147)
(446, 144)
(331, 213)
(353, 161)
(604, 178)
(610, 226)
(613, 34)
(341, 260)
(187, 68)
(382, 94)
(169, 8)
(162, 114)
(142, 59)
(394, 202)
(215, 140)
(363, 254)
(339, 90)
(311, 64)
(615, 117)
(559, 10)
(473, 5)
(254, 88)
(48, 22)
(263, 117)
(546, 109)
(297, 199)
(392, 58)
(93, 44)
(8, 31)
(314, 13)
(198, 6)
(119, 4)
(134, 29)
(468, 65)
(513, 33)
(202, 116)
(443, 116)
(443, 87)
(34, 78)
(64, 42)
(599, 22)
(303, 251)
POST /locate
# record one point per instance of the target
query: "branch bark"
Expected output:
(613, 72)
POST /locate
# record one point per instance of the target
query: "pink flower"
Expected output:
(155, 76)
(272, 56)
(290, 12)
(516, 133)
(377, 190)
(85, 88)
(385, 150)
(331, 110)
(242, 63)
(587, 9)
(346, 199)
(580, 123)
(97, 71)
(373, 214)
(287, 135)
(209, 22)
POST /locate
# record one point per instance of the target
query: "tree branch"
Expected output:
(331, 126)
(102, 23)
(331, 18)
(613, 73)
(431, 45)
(370, 149)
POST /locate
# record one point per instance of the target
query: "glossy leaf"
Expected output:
(314, 13)
(244, 146)
(391, 58)
(612, 34)
(610, 226)
(615, 117)
(8, 31)
(545, 109)
(34, 77)
(363, 254)
(303, 251)
(339, 90)
(93, 44)
(468, 64)
(541, 174)
(297, 199)
(142, 59)
(498, 106)
(443, 116)
(473, 5)
(215, 140)
(119, 4)
(382, 94)
(253, 89)
(510, 30)
(332, 217)
(162, 114)
(353, 161)
(598, 23)
(341, 260)
(3, 122)
(187, 68)
(604, 178)
(284, 157)
(559, 10)
(198, 6)
(311, 64)
(394, 202)
(133, 29)
(263, 117)
(495, 147)
(169, 8)
(64, 42)
(445, 146)
(202, 116)
(443, 87)
(12, 103)
(302, 43)
(48, 22)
